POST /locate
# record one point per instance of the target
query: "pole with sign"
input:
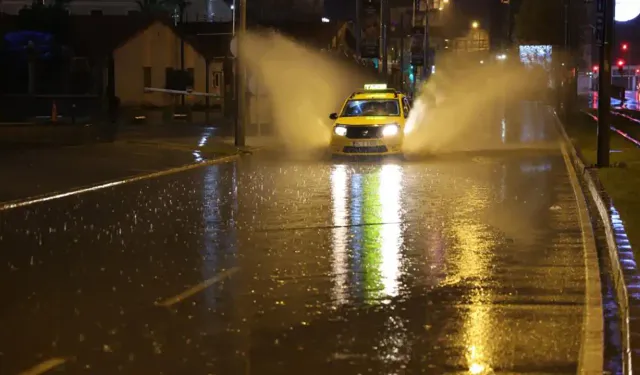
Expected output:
(241, 81)
(604, 38)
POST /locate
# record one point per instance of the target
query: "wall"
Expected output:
(475, 41)
(157, 47)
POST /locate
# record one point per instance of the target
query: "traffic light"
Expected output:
(625, 46)
(596, 68)
(620, 66)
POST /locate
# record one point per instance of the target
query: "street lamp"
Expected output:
(475, 25)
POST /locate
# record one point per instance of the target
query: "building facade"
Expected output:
(144, 59)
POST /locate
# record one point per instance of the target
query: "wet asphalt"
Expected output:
(465, 262)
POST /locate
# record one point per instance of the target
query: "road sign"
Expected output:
(600, 29)
(600, 34)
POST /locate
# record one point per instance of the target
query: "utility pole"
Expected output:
(384, 8)
(181, 8)
(604, 35)
(567, 87)
(425, 43)
(605, 24)
(402, 36)
(241, 81)
(357, 29)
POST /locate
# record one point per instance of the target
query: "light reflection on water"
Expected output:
(473, 265)
(211, 220)
(340, 239)
(390, 193)
(374, 231)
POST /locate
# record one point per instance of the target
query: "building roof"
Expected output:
(89, 36)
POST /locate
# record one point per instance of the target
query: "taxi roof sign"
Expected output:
(375, 86)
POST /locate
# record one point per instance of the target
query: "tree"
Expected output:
(53, 18)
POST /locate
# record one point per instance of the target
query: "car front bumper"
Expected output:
(362, 147)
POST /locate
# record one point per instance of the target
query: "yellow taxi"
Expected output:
(371, 122)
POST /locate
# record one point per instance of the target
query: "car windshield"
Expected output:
(371, 107)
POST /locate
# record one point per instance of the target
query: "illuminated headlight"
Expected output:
(340, 130)
(390, 130)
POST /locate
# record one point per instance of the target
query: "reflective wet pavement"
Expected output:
(463, 263)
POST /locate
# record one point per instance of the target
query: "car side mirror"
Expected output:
(333, 116)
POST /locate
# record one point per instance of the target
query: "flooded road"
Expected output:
(469, 262)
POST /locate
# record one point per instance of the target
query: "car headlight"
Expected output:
(390, 130)
(340, 130)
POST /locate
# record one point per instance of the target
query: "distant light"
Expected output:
(233, 7)
(501, 56)
(626, 10)
(325, 20)
(475, 24)
(481, 61)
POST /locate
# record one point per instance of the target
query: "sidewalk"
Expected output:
(28, 173)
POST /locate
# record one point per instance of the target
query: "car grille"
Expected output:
(364, 132)
(364, 150)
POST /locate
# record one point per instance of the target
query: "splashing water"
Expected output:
(303, 87)
(458, 108)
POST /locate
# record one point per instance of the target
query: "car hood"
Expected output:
(369, 120)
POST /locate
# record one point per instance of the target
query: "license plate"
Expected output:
(365, 144)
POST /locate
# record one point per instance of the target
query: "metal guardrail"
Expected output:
(621, 274)
(620, 132)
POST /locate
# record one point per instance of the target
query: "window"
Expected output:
(216, 80)
(146, 73)
(371, 107)
(96, 12)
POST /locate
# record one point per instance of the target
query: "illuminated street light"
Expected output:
(325, 20)
(475, 24)
(481, 61)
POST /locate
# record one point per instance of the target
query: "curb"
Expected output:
(620, 273)
(85, 189)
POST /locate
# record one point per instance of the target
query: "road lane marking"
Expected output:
(591, 360)
(52, 196)
(45, 366)
(198, 288)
